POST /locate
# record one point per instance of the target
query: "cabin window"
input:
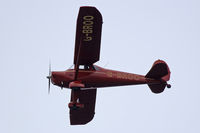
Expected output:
(81, 67)
(87, 67)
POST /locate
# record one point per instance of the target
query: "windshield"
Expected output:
(71, 67)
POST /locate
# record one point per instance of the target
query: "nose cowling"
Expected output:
(57, 77)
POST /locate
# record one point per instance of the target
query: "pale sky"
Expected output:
(134, 35)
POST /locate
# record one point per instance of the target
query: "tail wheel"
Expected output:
(169, 86)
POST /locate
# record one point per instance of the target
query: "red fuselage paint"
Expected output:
(99, 78)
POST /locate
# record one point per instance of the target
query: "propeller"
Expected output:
(49, 77)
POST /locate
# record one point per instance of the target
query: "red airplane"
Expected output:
(85, 77)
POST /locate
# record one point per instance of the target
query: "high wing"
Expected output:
(88, 36)
(87, 51)
(86, 114)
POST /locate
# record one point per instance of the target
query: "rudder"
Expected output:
(159, 71)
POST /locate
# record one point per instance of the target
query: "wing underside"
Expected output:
(88, 36)
(86, 114)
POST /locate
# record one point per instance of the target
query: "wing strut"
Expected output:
(77, 61)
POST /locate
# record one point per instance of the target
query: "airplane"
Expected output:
(85, 77)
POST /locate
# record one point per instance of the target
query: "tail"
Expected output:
(159, 71)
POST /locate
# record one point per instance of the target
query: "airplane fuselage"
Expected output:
(99, 77)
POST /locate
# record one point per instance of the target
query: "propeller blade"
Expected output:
(49, 78)
(49, 68)
(49, 87)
